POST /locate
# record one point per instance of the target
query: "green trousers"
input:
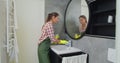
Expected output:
(43, 51)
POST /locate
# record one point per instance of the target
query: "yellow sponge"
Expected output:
(77, 36)
(62, 42)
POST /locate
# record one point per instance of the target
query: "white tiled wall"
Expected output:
(118, 30)
(30, 15)
(3, 31)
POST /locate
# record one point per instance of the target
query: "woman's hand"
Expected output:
(57, 41)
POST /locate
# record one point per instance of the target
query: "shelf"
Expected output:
(98, 23)
(102, 11)
(105, 24)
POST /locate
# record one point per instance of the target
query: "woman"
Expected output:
(83, 22)
(47, 37)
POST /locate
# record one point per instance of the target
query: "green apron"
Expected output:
(43, 51)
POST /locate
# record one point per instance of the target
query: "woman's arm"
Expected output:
(50, 32)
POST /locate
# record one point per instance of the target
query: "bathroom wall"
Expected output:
(117, 31)
(97, 48)
(3, 53)
(30, 16)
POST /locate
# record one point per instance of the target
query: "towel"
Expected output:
(75, 59)
(12, 48)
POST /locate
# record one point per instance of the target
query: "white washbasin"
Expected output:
(62, 49)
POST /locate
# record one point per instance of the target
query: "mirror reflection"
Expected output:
(76, 18)
(83, 24)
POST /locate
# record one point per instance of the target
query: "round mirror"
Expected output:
(76, 18)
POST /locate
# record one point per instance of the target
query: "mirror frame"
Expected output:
(65, 21)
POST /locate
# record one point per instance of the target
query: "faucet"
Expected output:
(69, 44)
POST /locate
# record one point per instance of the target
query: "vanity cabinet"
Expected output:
(102, 18)
(55, 58)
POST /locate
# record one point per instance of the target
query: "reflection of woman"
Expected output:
(83, 22)
(47, 37)
(82, 27)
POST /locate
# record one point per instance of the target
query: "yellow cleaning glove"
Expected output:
(63, 42)
(57, 36)
(77, 36)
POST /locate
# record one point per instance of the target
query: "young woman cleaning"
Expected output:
(47, 37)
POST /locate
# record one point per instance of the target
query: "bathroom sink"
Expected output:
(63, 49)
